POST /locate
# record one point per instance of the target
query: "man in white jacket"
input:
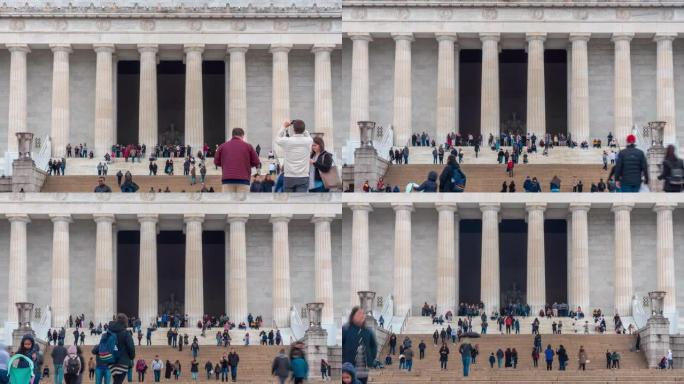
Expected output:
(296, 151)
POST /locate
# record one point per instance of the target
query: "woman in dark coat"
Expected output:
(671, 163)
(168, 370)
(451, 177)
(321, 161)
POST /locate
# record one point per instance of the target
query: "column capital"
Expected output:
(280, 218)
(360, 207)
(323, 217)
(538, 36)
(535, 207)
(579, 207)
(148, 218)
(18, 217)
(61, 48)
(193, 218)
(617, 207)
(322, 48)
(360, 36)
(402, 36)
(14, 47)
(142, 48)
(280, 48)
(193, 48)
(237, 218)
(106, 48)
(490, 36)
(104, 218)
(492, 207)
(664, 207)
(449, 207)
(446, 36)
(579, 36)
(237, 48)
(622, 36)
(402, 207)
(61, 217)
(664, 36)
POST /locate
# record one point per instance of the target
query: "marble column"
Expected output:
(402, 258)
(447, 79)
(401, 119)
(194, 275)
(17, 276)
(237, 91)
(323, 103)
(536, 263)
(17, 115)
(104, 268)
(489, 104)
(147, 286)
(536, 95)
(623, 259)
(489, 270)
(236, 275)
(360, 86)
(665, 97)
(665, 267)
(104, 100)
(579, 88)
(59, 131)
(281, 270)
(323, 266)
(280, 99)
(194, 102)
(447, 259)
(60, 269)
(147, 113)
(360, 255)
(578, 261)
(622, 91)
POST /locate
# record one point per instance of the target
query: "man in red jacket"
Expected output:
(236, 158)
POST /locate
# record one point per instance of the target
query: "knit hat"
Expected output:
(72, 350)
(631, 139)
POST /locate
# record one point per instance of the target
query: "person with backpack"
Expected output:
(672, 171)
(452, 178)
(194, 369)
(233, 360)
(58, 355)
(630, 166)
(281, 367)
(117, 348)
(72, 366)
(194, 348)
(157, 366)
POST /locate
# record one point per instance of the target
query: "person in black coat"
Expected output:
(429, 185)
(321, 161)
(673, 182)
(630, 166)
(125, 345)
(452, 172)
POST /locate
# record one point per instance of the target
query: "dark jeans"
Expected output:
(296, 184)
(443, 364)
(629, 188)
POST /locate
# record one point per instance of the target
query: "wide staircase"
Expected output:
(489, 177)
(556, 155)
(633, 364)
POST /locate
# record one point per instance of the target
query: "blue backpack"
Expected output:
(458, 180)
(108, 351)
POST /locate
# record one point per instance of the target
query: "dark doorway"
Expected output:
(127, 98)
(512, 261)
(470, 255)
(214, 271)
(556, 90)
(469, 91)
(214, 96)
(171, 102)
(127, 271)
(170, 268)
(556, 260)
(513, 90)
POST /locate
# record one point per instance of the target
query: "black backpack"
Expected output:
(676, 173)
(73, 366)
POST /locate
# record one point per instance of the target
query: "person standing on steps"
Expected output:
(443, 356)
(466, 351)
(358, 344)
(421, 350)
(236, 158)
(548, 354)
(296, 153)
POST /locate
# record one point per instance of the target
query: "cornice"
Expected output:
(514, 3)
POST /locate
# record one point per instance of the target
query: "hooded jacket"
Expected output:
(631, 164)
(33, 353)
(349, 368)
(429, 185)
(124, 341)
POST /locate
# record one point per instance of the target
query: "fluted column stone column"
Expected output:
(489, 272)
(402, 258)
(281, 270)
(447, 259)
(665, 97)
(59, 131)
(147, 112)
(536, 95)
(447, 90)
(17, 116)
(579, 88)
(665, 267)
(60, 269)
(194, 276)
(280, 99)
(578, 263)
(623, 258)
(622, 95)
(104, 268)
(323, 266)
(236, 275)
(360, 255)
(17, 275)
(402, 88)
(147, 285)
(536, 265)
(489, 104)
(360, 86)
(323, 103)
(237, 91)
(104, 99)
(194, 103)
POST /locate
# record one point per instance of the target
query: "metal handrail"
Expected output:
(403, 324)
